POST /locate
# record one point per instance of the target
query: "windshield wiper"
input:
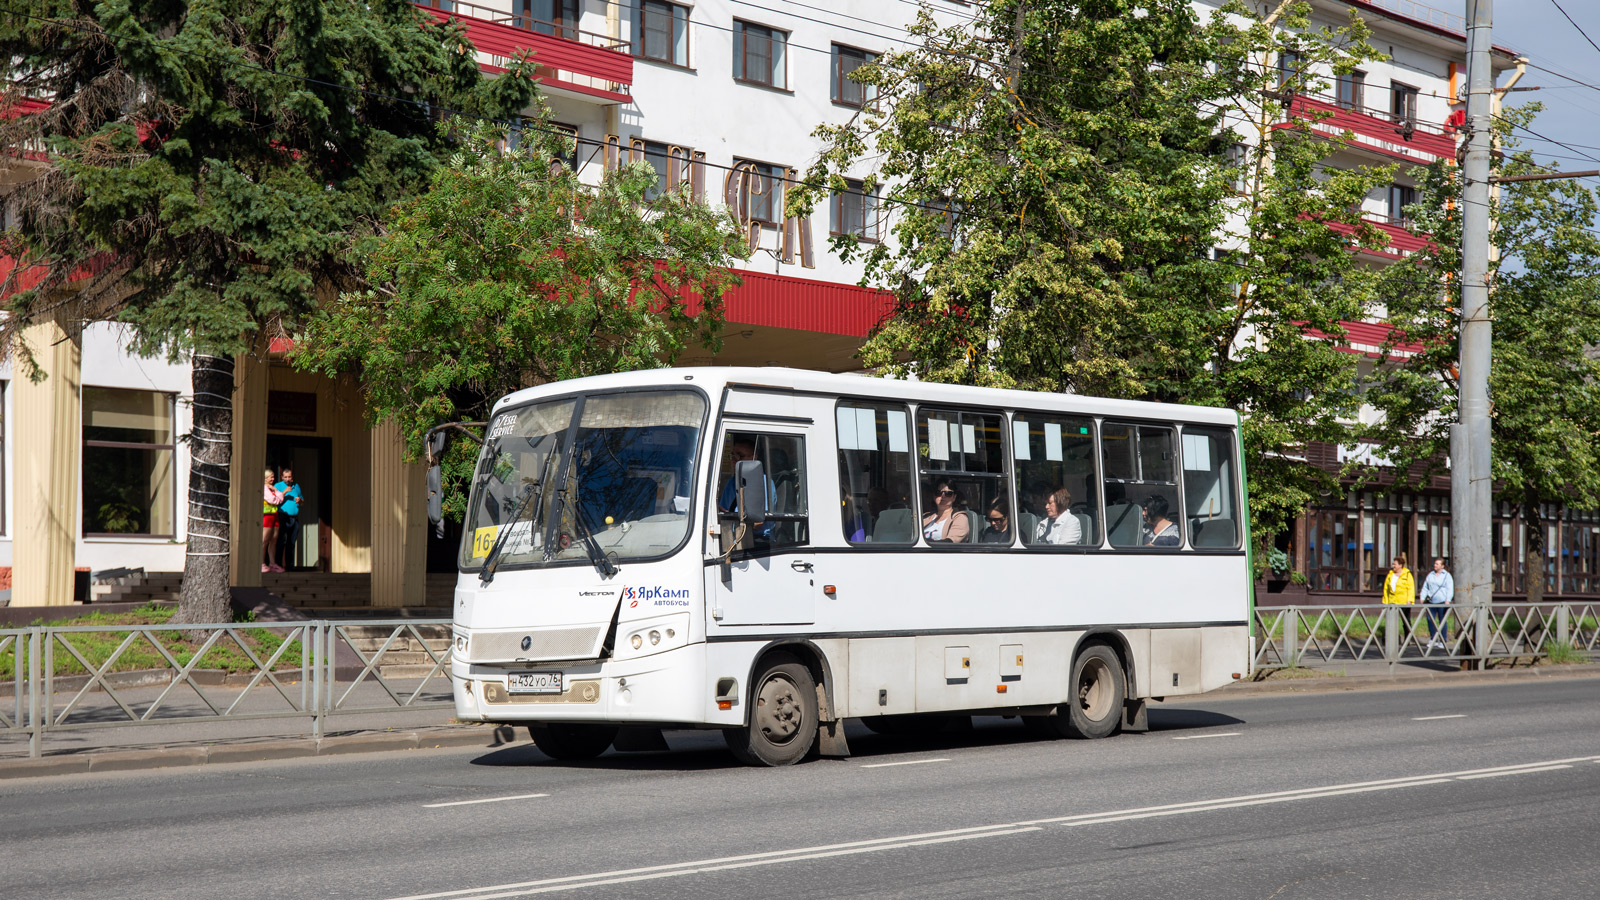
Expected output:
(596, 555)
(492, 561)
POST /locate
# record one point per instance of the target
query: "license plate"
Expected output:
(534, 683)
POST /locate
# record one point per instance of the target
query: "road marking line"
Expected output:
(1517, 772)
(484, 800)
(897, 842)
(909, 762)
(1196, 737)
(1432, 718)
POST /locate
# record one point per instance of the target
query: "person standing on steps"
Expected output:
(288, 517)
(1438, 590)
(271, 498)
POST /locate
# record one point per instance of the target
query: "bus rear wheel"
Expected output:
(1099, 687)
(572, 742)
(783, 722)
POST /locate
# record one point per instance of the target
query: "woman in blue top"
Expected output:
(288, 516)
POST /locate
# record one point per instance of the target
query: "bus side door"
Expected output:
(763, 573)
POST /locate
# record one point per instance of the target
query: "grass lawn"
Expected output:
(226, 654)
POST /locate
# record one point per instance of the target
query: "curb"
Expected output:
(450, 736)
(1334, 683)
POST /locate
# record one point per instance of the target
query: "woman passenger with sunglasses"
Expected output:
(947, 523)
(998, 531)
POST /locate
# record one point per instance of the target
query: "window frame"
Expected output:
(85, 443)
(757, 430)
(638, 44)
(1177, 506)
(1403, 102)
(741, 56)
(869, 98)
(776, 202)
(870, 205)
(1005, 478)
(1233, 486)
(913, 493)
(1096, 477)
(1399, 197)
(559, 25)
(1354, 83)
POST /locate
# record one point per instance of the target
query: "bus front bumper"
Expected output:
(663, 688)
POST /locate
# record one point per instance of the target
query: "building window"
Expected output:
(1403, 102)
(1291, 70)
(1350, 89)
(856, 212)
(845, 90)
(663, 32)
(568, 158)
(127, 462)
(662, 159)
(762, 199)
(759, 55)
(1400, 197)
(1238, 164)
(557, 17)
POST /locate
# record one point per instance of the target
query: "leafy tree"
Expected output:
(1056, 174)
(509, 272)
(212, 161)
(1544, 382)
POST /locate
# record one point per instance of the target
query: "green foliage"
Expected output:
(1544, 301)
(509, 272)
(213, 160)
(1056, 174)
(1564, 653)
(227, 654)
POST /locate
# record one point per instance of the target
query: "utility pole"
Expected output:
(1470, 497)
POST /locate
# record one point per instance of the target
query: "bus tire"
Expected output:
(572, 742)
(783, 718)
(1099, 687)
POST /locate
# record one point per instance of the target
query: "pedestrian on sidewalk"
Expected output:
(1399, 588)
(271, 499)
(288, 517)
(1438, 590)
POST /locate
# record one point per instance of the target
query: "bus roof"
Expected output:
(713, 379)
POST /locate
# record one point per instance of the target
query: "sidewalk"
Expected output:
(203, 742)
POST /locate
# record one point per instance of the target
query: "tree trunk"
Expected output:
(205, 597)
(1533, 550)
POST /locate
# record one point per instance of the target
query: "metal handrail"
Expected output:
(1293, 636)
(314, 689)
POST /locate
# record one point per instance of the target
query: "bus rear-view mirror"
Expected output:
(751, 479)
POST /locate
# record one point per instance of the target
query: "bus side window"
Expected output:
(1208, 488)
(961, 455)
(875, 473)
(1141, 487)
(1055, 471)
(783, 458)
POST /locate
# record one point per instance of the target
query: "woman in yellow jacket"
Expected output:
(1398, 586)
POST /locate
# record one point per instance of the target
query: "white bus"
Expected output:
(770, 551)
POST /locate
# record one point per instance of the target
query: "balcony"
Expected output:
(569, 60)
(1376, 131)
(1402, 241)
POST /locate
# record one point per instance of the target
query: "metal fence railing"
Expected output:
(1291, 636)
(74, 678)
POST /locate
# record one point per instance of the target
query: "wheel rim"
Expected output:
(779, 715)
(1094, 689)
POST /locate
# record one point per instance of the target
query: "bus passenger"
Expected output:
(1059, 526)
(948, 522)
(1161, 531)
(998, 531)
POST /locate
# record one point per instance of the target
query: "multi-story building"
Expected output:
(724, 94)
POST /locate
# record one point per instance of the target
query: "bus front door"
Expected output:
(769, 577)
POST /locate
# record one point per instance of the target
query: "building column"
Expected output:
(249, 460)
(48, 456)
(399, 522)
(352, 481)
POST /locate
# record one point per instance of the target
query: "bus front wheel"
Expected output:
(572, 742)
(1099, 687)
(783, 722)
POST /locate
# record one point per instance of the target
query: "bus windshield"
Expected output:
(623, 480)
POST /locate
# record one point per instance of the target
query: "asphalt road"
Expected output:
(1479, 791)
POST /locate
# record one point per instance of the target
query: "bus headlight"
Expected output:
(655, 635)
